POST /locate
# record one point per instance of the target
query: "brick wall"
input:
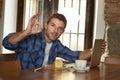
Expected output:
(112, 10)
(112, 18)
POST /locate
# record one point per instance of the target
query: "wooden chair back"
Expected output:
(7, 57)
(8, 68)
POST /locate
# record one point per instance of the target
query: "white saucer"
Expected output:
(81, 70)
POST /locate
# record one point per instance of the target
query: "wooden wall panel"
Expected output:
(1, 2)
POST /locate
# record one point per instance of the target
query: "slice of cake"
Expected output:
(58, 64)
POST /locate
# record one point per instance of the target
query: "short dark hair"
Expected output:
(58, 16)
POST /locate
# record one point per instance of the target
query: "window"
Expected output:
(75, 11)
(31, 8)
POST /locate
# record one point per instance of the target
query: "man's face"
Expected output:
(54, 29)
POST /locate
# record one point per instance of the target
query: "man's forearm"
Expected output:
(85, 54)
(17, 37)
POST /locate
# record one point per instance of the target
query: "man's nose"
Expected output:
(56, 29)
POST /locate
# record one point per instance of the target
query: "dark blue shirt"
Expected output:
(30, 51)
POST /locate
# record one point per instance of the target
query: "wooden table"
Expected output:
(104, 72)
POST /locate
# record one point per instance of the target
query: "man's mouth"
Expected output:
(54, 34)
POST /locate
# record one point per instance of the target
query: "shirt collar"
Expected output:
(43, 39)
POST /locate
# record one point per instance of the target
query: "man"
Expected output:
(36, 47)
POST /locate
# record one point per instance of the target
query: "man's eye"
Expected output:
(52, 25)
(61, 29)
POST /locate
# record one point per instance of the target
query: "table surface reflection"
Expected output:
(103, 72)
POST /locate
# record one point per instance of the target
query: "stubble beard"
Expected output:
(50, 35)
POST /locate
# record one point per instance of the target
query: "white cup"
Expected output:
(81, 64)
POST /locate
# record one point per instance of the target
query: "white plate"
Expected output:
(81, 70)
